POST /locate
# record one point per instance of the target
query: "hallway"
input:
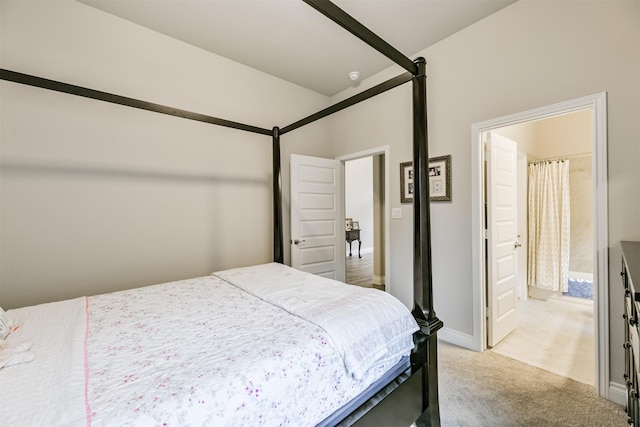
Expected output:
(360, 271)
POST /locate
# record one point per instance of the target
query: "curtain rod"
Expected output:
(559, 159)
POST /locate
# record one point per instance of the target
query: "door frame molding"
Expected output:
(385, 149)
(597, 103)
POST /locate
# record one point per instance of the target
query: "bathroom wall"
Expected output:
(569, 136)
(566, 135)
(581, 205)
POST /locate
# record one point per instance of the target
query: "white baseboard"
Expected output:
(377, 280)
(354, 251)
(457, 338)
(618, 393)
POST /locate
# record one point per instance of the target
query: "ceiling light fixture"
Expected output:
(354, 75)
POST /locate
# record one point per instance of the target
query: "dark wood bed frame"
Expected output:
(424, 356)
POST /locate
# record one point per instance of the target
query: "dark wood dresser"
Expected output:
(631, 281)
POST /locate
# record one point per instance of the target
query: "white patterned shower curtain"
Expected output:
(549, 225)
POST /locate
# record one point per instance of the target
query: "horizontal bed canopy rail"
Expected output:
(275, 132)
(57, 86)
(278, 234)
(362, 96)
(350, 24)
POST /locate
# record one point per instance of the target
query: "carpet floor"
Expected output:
(490, 390)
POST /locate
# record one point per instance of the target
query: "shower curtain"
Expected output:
(549, 222)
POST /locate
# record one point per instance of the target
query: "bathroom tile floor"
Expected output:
(556, 335)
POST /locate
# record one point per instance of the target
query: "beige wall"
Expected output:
(581, 205)
(564, 135)
(358, 194)
(528, 55)
(97, 197)
(153, 211)
(524, 134)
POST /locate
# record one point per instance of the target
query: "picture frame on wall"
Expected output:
(439, 172)
(440, 179)
(406, 182)
(348, 224)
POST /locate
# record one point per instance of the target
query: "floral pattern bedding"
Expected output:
(203, 352)
(367, 326)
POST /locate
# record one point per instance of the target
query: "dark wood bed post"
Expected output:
(278, 238)
(422, 279)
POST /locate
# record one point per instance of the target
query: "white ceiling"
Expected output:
(291, 40)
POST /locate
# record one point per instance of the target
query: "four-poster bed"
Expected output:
(423, 357)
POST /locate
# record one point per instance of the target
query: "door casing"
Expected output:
(597, 104)
(384, 150)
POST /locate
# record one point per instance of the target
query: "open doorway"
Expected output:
(596, 107)
(554, 327)
(366, 211)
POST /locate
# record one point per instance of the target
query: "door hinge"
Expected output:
(487, 312)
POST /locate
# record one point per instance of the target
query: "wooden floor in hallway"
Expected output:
(360, 271)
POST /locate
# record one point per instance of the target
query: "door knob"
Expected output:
(297, 242)
(516, 245)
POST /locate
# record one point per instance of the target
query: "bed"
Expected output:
(248, 346)
(132, 358)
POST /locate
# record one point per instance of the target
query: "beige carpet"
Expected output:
(490, 390)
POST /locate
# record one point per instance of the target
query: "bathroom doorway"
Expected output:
(596, 105)
(564, 314)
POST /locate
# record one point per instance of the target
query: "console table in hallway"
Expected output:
(352, 235)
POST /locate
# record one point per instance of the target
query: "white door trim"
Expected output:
(597, 103)
(387, 207)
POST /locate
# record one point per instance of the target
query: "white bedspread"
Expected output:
(51, 386)
(192, 353)
(379, 328)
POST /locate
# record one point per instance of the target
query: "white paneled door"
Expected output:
(502, 243)
(317, 224)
